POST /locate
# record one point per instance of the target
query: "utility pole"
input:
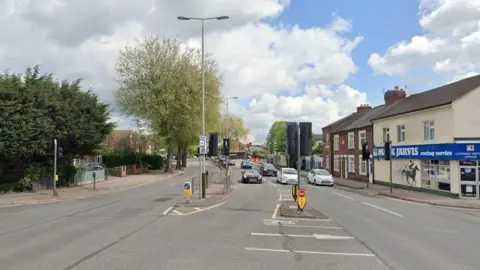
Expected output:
(391, 170)
(54, 186)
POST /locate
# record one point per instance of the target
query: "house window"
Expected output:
(363, 166)
(428, 131)
(327, 162)
(362, 138)
(401, 133)
(351, 164)
(327, 140)
(336, 143)
(351, 140)
(336, 163)
(386, 134)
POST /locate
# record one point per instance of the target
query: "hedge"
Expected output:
(119, 158)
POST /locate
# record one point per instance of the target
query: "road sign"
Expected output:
(301, 198)
(203, 140)
(187, 190)
(294, 192)
(203, 150)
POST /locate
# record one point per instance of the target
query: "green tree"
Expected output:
(160, 84)
(318, 150)
(276, 138)
(35, 109)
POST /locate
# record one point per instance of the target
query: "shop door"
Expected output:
(469, 182)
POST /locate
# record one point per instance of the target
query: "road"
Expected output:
(129, 230)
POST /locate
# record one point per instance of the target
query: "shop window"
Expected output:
(436, 174)
(336, 163)
(351, 164)
(429, 131)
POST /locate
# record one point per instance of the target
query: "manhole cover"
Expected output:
(162, 199)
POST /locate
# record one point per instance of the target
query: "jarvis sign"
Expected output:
(445, 151)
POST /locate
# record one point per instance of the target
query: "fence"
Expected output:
(217, 183)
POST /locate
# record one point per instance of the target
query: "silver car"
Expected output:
(251, 176)
(287, 176)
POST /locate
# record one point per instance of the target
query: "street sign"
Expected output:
(203, 140)
(203, 150)
(301, 198)
(294, 192)
(187, 190)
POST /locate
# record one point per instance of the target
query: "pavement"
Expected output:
(112, 184)
(131, 230)
(404, 194)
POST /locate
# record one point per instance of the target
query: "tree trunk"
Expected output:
(184, 157)
(168, 164)
(179, 157)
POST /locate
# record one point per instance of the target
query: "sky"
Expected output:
(294, 60)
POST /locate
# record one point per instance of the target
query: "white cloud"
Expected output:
(449, 45)
(81, 39)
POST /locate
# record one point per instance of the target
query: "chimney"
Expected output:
(363, 107)
(394, 95)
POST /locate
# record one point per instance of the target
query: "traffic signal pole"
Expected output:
(299, 160)
(54, 186)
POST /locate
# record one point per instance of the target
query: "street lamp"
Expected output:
(203, 19)
(227, 158)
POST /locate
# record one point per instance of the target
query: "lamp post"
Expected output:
(203, 19)
(227, 158)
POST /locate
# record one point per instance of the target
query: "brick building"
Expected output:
(346, 136)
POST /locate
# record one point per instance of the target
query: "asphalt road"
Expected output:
(129, 230)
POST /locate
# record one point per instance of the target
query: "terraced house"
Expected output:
(346, 136)
(435, 139)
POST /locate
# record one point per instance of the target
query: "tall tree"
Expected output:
(276, 138)
(160, 84)
(35, 109)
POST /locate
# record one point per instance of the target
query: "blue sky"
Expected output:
(381, 23)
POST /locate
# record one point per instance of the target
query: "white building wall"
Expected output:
(466, 115)
(414, 135)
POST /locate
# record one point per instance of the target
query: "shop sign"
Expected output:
(444, 151)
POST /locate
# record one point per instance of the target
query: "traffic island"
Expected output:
(289, 209)
(209, 200)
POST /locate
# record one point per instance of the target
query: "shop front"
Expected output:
(451, 167)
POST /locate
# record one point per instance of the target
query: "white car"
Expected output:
(320, 177)
(287, 176)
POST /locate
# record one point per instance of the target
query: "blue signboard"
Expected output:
(444, 151)
(186, 186)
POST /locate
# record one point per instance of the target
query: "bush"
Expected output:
(120, 158)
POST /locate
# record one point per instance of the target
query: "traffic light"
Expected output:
(291, 139)
(365, 152)
(226, 147)
(213, 145)
(305, 138)
(387, 150)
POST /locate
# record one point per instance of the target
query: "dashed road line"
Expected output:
(276, 211)
(382, 209)
(316, 236)
(344, 196)
(310, 252)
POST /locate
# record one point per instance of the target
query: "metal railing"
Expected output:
(217, 183)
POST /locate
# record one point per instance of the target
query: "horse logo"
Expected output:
(410, 172)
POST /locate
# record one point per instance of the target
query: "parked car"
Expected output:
(251, 175)
(246, 165)
(287, 176)
(320, 177)
(231, 162)
(267, 169)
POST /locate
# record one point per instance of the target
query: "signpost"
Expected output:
(301, 199)
(187, 190)
(294, 191)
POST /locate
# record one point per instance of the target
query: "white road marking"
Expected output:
(178, 213)
(310, 219)
(341, 195)
(274, 185)
(276, 211)
(311, 252)
(280, 197)
(276, 221)
(303, 226)
(166, 212)
(284, 190)
(198, 209)
(383, 209)
(317, 236)
(204, 209)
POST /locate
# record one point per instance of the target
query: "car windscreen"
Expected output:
(289, 171)
(268, 166)
(322, 172)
